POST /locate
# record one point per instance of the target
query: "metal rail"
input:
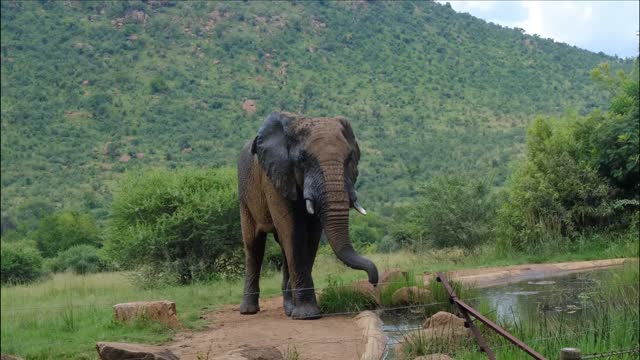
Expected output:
(467, 310)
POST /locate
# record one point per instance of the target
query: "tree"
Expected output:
(448, 211)
(62, 230)
(184, 224)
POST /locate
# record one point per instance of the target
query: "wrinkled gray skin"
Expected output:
(296, 179)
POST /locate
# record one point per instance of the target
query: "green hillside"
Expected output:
(429, 91)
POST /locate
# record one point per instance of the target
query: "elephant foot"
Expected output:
(306, 312)
(249, 308)
(288, 306)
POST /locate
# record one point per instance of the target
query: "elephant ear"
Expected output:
(347, 132)
(272, 146)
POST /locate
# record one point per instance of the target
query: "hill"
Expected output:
(91, 90)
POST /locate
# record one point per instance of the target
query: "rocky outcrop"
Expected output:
(410, 295)
(163, 312)
(373, 335)
(249, 106)
(124, 351)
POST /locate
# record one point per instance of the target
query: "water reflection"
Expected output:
(554, 296)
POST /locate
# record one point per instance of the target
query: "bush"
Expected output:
(449, 211)
(62, 230)
(183, 224)
(21, 263)
(80, 259)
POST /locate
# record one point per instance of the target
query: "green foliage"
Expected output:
(450, 211)
(580, 174)
(80, 259)
(62, 230)
(183, 224)
(337, 297)
(21, 263)
(77, 76)
(273, 259)
(612, 139)
(366, 231)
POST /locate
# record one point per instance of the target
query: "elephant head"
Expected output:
(313, 162)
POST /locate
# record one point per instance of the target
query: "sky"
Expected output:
(607, 26)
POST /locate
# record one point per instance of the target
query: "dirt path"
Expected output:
(334, 337)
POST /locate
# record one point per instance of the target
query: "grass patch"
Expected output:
(338, 298)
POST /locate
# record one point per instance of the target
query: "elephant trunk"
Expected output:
(338, 237)
(335, 215)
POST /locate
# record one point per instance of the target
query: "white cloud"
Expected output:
(608, 26)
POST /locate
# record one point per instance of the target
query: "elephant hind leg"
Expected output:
(254, 243)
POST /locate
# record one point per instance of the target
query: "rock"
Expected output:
(409, 295)
(163, 312)
(9, 357)
(249, 106)
(365, 287)
(392, 275)
(137, 16)
(444, 330)
(434, 357)
(124, 351)
(124, 158)
(443, 319)
(252, 353)
(374, 339)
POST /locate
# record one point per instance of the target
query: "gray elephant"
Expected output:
(296, 179)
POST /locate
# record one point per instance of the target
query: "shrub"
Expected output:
(449, 211)
(62, 230)
(21, 263)
(81, 259)
(184, 223)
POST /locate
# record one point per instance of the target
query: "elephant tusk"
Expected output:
(310, 207)
(359, 208)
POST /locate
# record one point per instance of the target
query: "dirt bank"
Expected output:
(496, 276)
(335, 337)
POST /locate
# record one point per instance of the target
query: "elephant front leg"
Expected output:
(305, 304)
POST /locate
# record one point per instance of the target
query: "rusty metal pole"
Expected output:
(570, 354)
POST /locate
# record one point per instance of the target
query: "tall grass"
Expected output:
(609, 321)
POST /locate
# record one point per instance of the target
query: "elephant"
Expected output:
(296, 179)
